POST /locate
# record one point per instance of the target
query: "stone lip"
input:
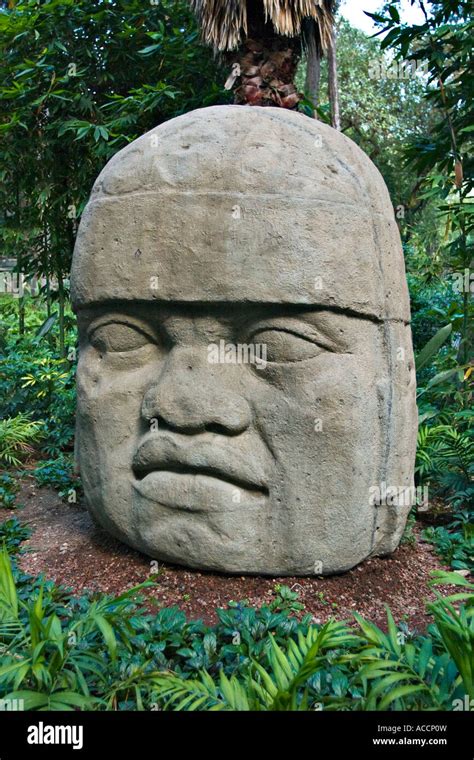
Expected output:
(193, 491)
(192, 473)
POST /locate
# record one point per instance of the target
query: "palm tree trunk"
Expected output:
(313, 73)
(267, 68)
(332, 77)
(267, 35)
(62, 331)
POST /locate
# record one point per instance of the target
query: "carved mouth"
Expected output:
(211, 472)
(198, 475)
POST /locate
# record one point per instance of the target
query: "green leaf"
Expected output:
(424, 656)
(441, 377)
(149, 49)
(394, 13)
(398, 693)
(8, 594)
(47, 326)
(107, 632)
(433, 346)
(33, 700)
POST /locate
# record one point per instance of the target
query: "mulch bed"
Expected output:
(70, 549)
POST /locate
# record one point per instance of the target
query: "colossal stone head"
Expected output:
(246, 388)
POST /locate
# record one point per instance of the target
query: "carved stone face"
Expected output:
(246, 376)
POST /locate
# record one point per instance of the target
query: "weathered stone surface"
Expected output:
(246, 382)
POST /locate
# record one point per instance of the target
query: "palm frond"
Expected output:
(287, 17)
(278, 686)
(224, 23)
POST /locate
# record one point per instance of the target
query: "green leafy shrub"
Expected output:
(50, 382)
(445, 459)
(446, 456)
(33, 377)
(12, 535)
(282, 685)
(58, 473)
(367, 669)
(17, 434)
(98, 652)
(456, 547)
(51, 662)
(455, 625)
(408, 538)
(8, 490)
(286, 600)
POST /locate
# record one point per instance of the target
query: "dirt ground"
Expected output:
(70, 549)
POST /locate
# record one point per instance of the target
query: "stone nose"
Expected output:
(193, 396)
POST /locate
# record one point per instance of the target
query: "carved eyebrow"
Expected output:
(297, 326)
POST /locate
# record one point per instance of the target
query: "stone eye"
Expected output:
(283, 346)
(118, 337)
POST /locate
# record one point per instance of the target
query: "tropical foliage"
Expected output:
(78, 82)
(61, 652)
(17, 434)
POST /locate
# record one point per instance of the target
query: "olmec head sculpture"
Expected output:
(246, 377)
